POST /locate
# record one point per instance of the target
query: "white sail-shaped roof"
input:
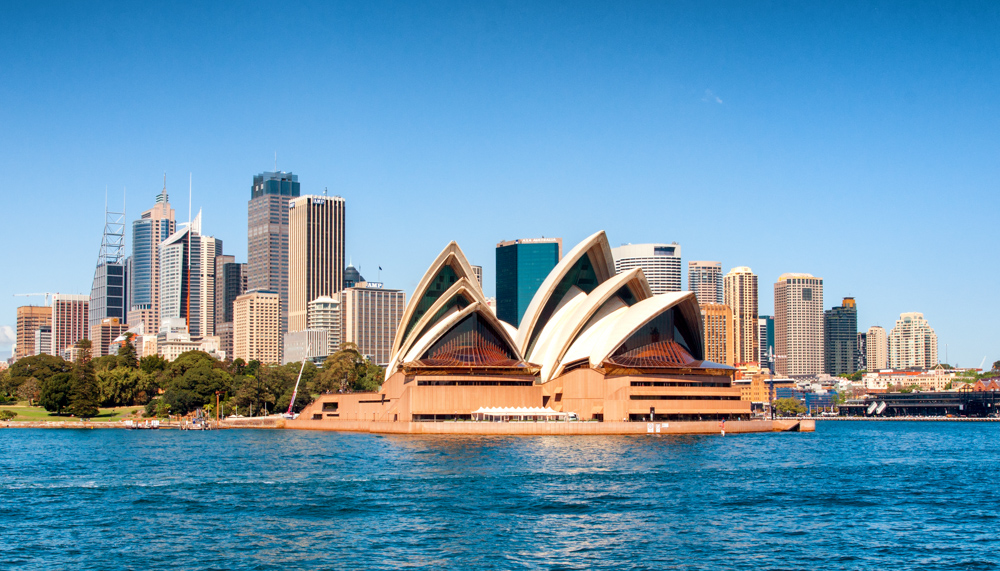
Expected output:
(597, 250)
(642, 313)
(559, 335)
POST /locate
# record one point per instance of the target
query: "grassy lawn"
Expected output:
(37, 413)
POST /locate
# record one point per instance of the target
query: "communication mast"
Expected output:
(113, 241)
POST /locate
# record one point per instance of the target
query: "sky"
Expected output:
(856, 141)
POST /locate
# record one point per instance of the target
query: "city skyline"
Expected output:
(899, 127)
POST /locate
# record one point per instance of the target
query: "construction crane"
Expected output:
(48, 295)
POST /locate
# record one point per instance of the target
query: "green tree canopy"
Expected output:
(30, 390)
(54, 396)
(153, 364)
(41, 367)
(106, 363)
(789, 406)
(83, 395)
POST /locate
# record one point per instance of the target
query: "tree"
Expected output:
(41, 367)
(84, 354)
(126, 353)
(789, 406)
(996, 365)
(106, 363)
(54, 396)
(122, 387)
(84, 395)
(153, 364)
(30, 390)
(5, 386)
(7, 415)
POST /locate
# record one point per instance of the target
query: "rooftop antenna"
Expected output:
(275, 161)
(324, 191)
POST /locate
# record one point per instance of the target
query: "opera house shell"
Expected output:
(592, 342)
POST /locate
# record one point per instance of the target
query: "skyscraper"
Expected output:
(108, 294)
(187, 279)
(877, 348)
(371, 316)
(798, 324)
(478, 270)
(315, 253)
(840, 332)
(765, 336)
(267, 235)
(717, 326)
(912, 343)
(30, 318)
(705, 280)
(740, 294)
(522, 266)
(861, 353)
(661, 263)
(230, 283)
(153, 227)
(70, 315)
(256, 318)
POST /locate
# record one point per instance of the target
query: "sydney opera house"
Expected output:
(593, 345)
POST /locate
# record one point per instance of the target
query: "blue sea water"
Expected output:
(852, 495)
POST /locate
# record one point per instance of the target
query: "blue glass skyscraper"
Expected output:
(522, 266)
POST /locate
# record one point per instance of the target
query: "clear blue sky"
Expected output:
(859, 142)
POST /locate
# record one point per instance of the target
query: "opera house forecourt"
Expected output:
(595, 353)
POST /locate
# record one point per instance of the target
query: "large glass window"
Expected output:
(665, 341)
(473, 341)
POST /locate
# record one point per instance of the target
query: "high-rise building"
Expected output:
(267, 235)
(43, 339)
(108, 294)
(324, 313)
(256, 323)
(143, 276)
(104, 334)
(765, 337)
(705, 280)
(877, 349)
(70, 315)
(912, 343)
(522, 266)
(478, 271)
(30, 318)
(840, 338)
(798, 324)
(371, 316)
(717, 325)
(861, 354)
(187, 279)
(315, 253)
(661, 263)
(740, 294)
(230, 283)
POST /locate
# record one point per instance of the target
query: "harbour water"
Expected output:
(852, 495)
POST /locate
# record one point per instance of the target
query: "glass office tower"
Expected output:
(522, 266)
